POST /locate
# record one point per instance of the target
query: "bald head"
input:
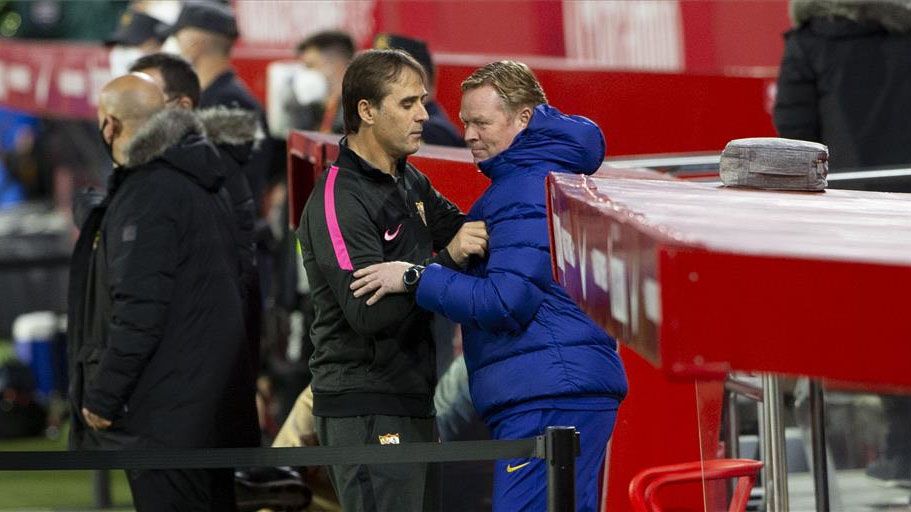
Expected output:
(131, 97)
(125, 104)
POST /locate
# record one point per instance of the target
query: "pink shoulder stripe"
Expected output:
(335, 233)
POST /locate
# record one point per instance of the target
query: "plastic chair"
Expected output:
(644, 486)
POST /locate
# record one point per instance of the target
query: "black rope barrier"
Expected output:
(559, 447)
(259, 457)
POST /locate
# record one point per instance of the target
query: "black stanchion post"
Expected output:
(101, 487)
(562, 447)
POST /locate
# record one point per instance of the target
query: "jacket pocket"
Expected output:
(89, 358)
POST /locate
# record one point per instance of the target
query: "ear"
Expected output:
(185, 103)
(112, 128)
(524, 117)
(367, 112)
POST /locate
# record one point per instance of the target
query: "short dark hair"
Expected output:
(367, 78)
(179, 77)
(333, 40)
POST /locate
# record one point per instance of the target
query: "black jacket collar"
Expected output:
(348, 159)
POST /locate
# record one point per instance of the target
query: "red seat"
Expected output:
(644, 486)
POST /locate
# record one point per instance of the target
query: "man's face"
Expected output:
(312, 58)
(489, 127)
(191, 41)
(399, 120)
(331, 64)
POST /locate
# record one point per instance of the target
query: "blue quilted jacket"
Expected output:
(525, 340)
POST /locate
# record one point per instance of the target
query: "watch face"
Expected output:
(411, 276)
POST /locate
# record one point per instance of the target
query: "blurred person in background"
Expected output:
(845, 81)
(289, 312)
(156, 337)
(329, 53)
(137, 34)
(205, 32)
(11, 191)
(516, 321)
(438, 130)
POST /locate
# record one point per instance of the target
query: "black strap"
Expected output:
(259, 457)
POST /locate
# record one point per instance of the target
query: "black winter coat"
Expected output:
(156, 330)
(847, 84)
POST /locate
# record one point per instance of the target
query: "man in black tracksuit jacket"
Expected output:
(373, 365)
(157, 347)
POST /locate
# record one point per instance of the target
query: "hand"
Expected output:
(95, 421)
(380, 278)
(470, 240)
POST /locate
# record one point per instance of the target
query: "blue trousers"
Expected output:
(521, 484)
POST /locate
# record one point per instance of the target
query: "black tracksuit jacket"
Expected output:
(371, 359)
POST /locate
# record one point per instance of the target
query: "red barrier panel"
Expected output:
(638, 112)
(703, 280)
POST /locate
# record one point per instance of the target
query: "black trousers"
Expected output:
(381, 487)
(190, 490)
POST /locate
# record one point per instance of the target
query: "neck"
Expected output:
(367, 147)
(210, 67)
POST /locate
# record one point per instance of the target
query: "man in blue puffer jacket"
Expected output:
(534, 358)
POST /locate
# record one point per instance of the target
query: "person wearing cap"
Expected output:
(137, 34)
(205, 33)
(438, 130)
(329, 53)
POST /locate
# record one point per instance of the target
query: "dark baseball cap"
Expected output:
(135, 28)
(414, 47)
(205, 15)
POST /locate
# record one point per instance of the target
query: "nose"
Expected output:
(422, 114)
(471, 134)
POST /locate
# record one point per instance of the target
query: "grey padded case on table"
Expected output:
(773, 163)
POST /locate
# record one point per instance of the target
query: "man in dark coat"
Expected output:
(845, 80)
(234, 132)
(157, 346)
(206, 32)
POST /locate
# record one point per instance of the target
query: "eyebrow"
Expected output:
(413, 98)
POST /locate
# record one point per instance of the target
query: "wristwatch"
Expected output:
(412, 276)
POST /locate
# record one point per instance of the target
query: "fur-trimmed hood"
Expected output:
(178, 137)
(231, 126)
(235, 132)
(893, 15)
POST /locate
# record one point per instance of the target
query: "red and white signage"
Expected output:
(52, 79)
